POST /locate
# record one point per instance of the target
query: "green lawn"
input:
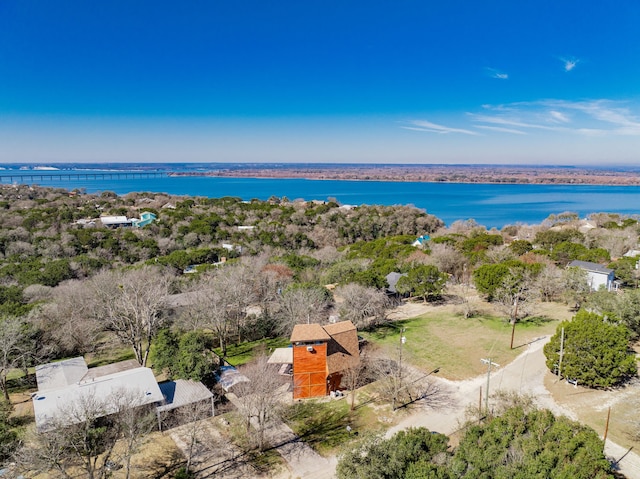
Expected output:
(323, 424)
(239, 354)
(455, 345)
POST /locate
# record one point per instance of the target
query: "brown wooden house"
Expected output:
(320, 355)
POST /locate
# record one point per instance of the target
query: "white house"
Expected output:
(597, 275)
(66, 387)
(70, 383)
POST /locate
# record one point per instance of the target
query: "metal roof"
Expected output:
(229, 377)
(182, 392)
(281, 356)
(67, 404)
(60, 374)
(593, 267)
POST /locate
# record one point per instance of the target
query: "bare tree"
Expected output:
(131, 303)
(576, 286)
(92, 434)
(221, 301)
(302, 305)
(15, 348)
(354, 377)
(194, 431)
(269, 284)
(258, 401)
(362, 305)
(78, 437)
(134, 422)
(516, 295)
(549, 283)
(448, 260)
(469, 303)
(69, 321)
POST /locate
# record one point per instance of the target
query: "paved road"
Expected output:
(524, 375)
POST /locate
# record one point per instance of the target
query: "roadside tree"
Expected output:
(595, 351)
(625, 307)
(530, 444)
(374, 457)
(516, 295)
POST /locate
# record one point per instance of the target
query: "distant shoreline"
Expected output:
(433, 174)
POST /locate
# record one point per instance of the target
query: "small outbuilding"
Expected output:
(180, 394)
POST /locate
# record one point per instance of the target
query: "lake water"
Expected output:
(488, 204)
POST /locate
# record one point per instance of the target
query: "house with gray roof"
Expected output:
(598, 276)
(66, 388)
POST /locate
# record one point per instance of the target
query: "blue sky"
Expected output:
(409, 81)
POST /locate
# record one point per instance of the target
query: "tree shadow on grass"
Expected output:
(21, 384)
(535, 321)
(163, 466)
(389, 328)
(319, 424)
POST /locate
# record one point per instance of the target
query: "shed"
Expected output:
(180, 393)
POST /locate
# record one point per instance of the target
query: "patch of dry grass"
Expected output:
(440, 337)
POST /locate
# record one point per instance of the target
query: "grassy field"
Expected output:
(322, 424)
(239, 354)
(440, 338)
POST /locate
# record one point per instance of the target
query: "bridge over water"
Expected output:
(25, 177)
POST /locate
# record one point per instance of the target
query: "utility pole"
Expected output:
(606, 429)
(514, 320)
(561, 354)
(398, 380)
(489, 363)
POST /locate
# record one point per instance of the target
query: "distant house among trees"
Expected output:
(146, 217)
(597, 275)
(421, 241)
(321, 354)
(392, 280)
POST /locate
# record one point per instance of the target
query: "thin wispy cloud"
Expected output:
(569, 63)
(501, 129)
(493, 73)
(593, 117)
(423, 125)
(558, 117)
(510, 120)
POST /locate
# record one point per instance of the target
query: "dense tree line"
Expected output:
(516, 444)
